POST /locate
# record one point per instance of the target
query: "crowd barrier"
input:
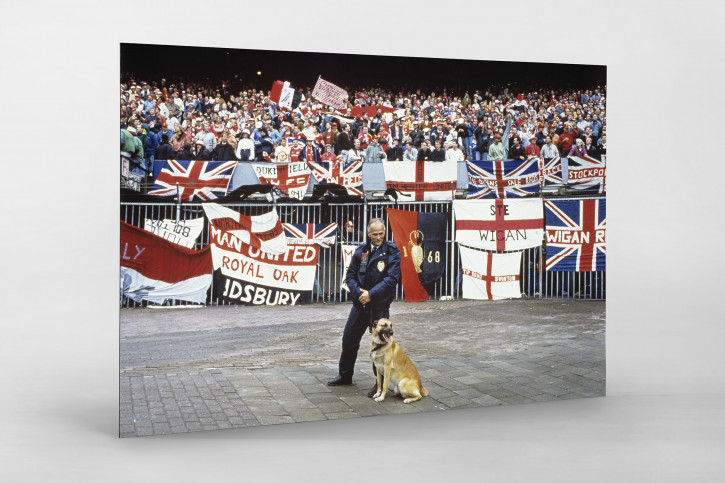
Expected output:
(535, 282)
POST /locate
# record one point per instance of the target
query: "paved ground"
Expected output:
(228, 367)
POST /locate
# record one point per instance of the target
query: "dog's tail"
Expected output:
(423, 391)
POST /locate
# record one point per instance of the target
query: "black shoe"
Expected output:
(372, 391)
(339, 381)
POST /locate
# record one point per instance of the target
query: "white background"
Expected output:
(663, 417)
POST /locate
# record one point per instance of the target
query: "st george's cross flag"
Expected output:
(550, 171)
(334, 172)
(576, 235)
(422, 180)
(154, 269)
(503, 179)
(197, 180)
(262, 232)
(421, 239)
(291, 178)
(310, 234)
(284, 95)
(508, 224)
(490, 276)
(587, 173)
(330, 94)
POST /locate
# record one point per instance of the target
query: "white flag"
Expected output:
(490, 276)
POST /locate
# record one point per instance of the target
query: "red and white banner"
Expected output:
(263, 232)
(154, 269)
(246, 275)
(422, 180)
(358, 111)
(182, 232)
(330, 94)
(499, 224)
(490, 276)
(347, 253)
(284, 95)
(291, 178)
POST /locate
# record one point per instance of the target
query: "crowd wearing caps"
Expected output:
(472, 121)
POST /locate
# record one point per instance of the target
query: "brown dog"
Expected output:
(393, 365)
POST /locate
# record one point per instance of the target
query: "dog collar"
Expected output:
(378, 347)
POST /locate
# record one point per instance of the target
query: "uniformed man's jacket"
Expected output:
(381, 276)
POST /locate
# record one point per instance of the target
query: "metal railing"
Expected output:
(535, 282)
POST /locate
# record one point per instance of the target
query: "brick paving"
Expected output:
(230, 367)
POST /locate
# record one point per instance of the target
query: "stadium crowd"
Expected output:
(161, 120)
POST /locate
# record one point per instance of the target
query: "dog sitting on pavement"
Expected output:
(393, 365)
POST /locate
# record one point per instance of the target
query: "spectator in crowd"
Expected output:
(578, 149)
(245, 147)
(439, 154)
(424, 153)
(282, 152)
(180, 138)
(602, 144)
(328, 155)
(549, 150)
(186, 153)
(410, 154)
(396, 130)
(395, 152)
(310, 152)
(417, 136)
(590, 147)
(374, 153)
(207, 138)
(223, 151)
(355, 154)
(165, 130)
(496, 151)
(132, 148)
(200, 151)
(164, 150)
(532, 150)
(481, 136)
(454, 153)
(517, 151)
(596, 126)
(264, 146)
(566, 138)
(344, 140)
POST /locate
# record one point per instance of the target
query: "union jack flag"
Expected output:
(310, 234)
(334, 172)
(202, 180)
(587, 173)
(550, 171)
(576, 235)
(503, 179)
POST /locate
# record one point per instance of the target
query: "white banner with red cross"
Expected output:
(490, 276)
(422, 180)
(499, 224)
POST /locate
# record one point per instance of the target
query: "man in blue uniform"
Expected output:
(372, 275)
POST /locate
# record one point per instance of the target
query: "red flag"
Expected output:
(403, 223)
(421, 239)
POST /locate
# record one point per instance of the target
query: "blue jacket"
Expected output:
(381, 275)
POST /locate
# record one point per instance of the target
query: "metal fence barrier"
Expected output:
(535, 282)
